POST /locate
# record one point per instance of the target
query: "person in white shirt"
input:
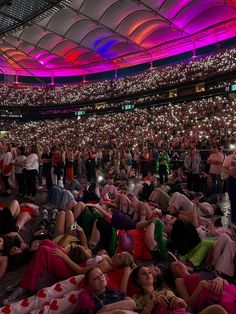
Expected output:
(6, 164)
(31, 172)
(229, 171)
(215, 161)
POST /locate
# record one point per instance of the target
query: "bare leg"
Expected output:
(149, 239)
(3, 265)
(123, 203)
(60, 223)
(95, 236)
(161, 198)
(145, 211)
(77, 209)
(143, 224)
(154, 196)
(70, 205)
(69, 219)
(214, 309)
(14, 208)
(22, 219)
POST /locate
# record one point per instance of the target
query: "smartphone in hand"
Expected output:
(74, 225)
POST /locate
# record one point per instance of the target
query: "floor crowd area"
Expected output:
(120, 228)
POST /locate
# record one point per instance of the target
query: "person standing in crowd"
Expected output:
(58, 164)
(163, 165)
(229, 170)
(19, 165)
(90, 165)
(144, 162)
(6, 164)
(31, 172)
(192, 162)
(215, 161)
(47, 165)
(69, 164)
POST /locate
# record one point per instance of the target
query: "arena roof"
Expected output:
(88, 36)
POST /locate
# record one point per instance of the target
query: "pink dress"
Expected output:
(45, 261)
(227, 299)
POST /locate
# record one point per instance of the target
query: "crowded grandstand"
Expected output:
(117, 157)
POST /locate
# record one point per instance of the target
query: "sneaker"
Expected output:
(18, 294)
(54, 213)
(45, 214)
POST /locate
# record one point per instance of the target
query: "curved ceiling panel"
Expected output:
(172, 11)
(169, 9)
(49, 41)
(58, 63)
(194, 8)
(86, 58)
(210, 17)
(96, 11)
(17, 56)
(74, 54)
(31, 63)
(13, 41)
(88, 36)
(122, 49)
(34, 34)
(62, 48)
(116, 13)
(37, 53)
(106, 45)
(160, 36)
(155, 4)
(146, 29)
(6, 47)
(95, 37)
(28, 48)
(80, 29)
(47, 59)
(134, 20)
(67, 17)
(76, 4)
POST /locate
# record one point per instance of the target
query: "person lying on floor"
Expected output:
(14, 216)
(199, 293)
(98, 298)
(63, 263)
(63, 296)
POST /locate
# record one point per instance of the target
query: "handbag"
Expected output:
(127, 242)
(7, 169)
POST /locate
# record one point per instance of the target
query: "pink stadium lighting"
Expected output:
(95, 37)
